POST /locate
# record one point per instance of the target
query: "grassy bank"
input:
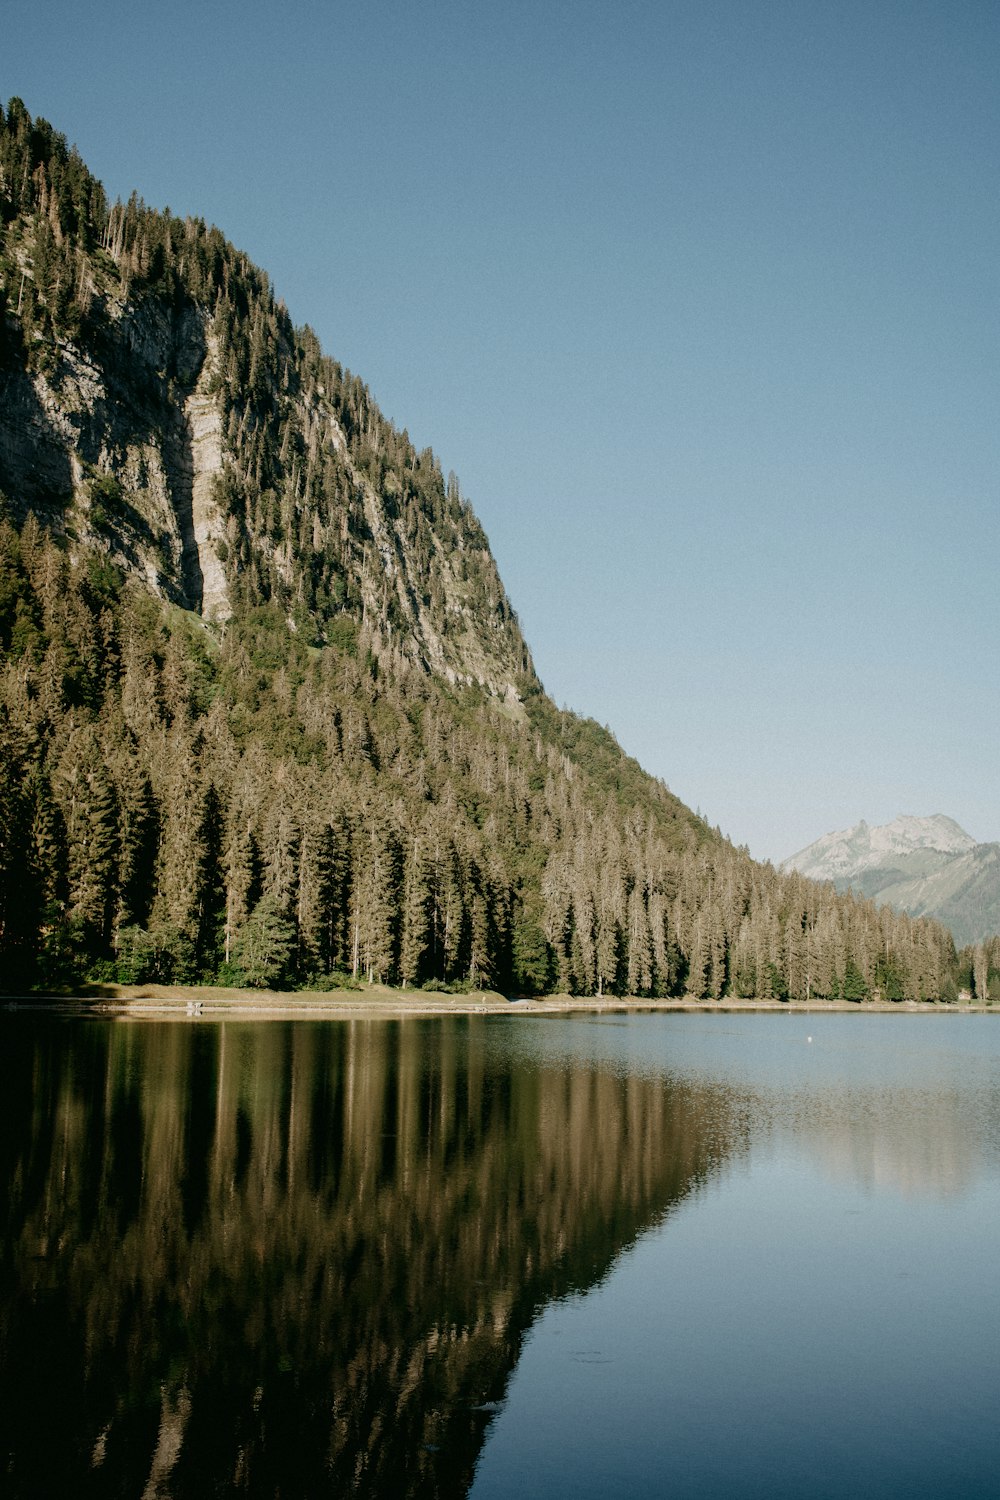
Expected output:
(213, 1002)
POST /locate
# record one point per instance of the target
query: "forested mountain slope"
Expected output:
(266, 714)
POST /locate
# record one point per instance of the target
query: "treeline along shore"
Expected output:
(379, 1001)
(181, 815)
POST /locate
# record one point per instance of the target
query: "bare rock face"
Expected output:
(158, 405)
(100, 448)
(844, 855)
(35, 447)
(121, 443)
(203, 427)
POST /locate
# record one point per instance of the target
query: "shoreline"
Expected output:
(379, 1002)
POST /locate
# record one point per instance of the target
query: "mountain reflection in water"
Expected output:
(301, 1258)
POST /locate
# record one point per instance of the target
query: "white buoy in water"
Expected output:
(808, 1038)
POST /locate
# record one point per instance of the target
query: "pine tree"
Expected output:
(263, 949)
(19, 879)
(418, 913)
(90, 812)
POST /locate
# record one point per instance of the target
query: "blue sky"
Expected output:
(699, 300)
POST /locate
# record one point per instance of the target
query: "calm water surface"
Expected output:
(663, 1255)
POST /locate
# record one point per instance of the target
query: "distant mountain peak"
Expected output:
(907, 833)
(927, 866)
(849, 851)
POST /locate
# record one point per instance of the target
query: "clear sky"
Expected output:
(698, 298)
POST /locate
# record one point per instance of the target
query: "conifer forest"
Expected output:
(267, 717)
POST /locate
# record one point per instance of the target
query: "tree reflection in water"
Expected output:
(300, 1258)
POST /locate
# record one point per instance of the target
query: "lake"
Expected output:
(675, 1255)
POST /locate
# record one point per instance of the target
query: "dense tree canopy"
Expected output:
(188, 803)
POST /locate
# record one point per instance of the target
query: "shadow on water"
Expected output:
(301, 1260)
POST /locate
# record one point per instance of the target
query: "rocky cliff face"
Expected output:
(846, 854)
(205, 455)
(111, 444)
(156, 403)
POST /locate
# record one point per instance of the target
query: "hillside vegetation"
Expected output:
(266, 714)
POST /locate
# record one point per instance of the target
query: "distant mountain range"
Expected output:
(929, 867)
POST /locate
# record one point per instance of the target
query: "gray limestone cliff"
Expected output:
(157, 405)
(118, 444)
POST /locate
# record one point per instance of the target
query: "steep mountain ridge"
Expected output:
(157, 404)
(850, 850)
(924, 866)
(266, 714)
